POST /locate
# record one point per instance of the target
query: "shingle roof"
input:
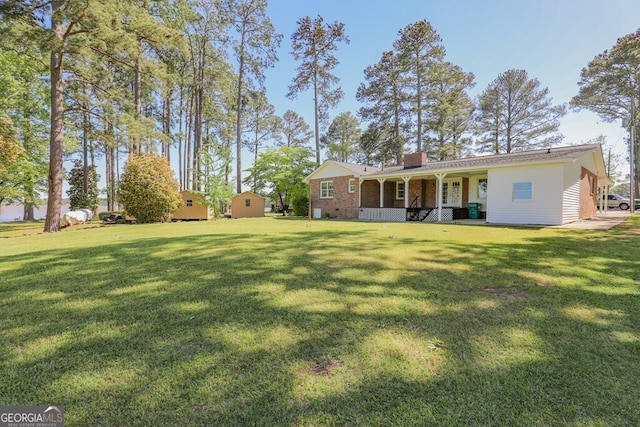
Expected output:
(557, 154)
(359, 169)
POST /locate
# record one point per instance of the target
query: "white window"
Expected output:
(452, 193)
(482, 188)
(326, 189)
(352, 185)
(522, 191)
(399, 190)
(247, 203)
(189, 203)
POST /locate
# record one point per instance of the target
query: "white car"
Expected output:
(617, 201)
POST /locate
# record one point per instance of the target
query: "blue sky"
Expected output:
(551, 39)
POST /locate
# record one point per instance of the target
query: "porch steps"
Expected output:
(418, 214)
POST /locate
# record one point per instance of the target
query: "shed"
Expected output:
(247, 205)
(193, 208)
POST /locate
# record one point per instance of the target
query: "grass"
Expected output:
(278, 321)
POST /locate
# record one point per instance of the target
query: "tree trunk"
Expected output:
(419, 101)
(317, 113)
(137, 95)
(28, 214)
(56, 136)
(239, 121)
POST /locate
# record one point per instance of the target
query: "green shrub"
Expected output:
(148, 189)
(300, 205)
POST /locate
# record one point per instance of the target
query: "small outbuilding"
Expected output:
(247, 205)
(193, 208)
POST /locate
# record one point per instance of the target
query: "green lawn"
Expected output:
(282, 322)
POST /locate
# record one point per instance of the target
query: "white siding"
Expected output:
(571, 192)
(330, 170)
(473, 191)
(544, 209)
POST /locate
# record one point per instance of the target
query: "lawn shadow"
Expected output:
(319, 327)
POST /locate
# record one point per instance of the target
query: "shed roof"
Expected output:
(245, 193)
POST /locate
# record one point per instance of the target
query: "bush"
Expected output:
(300, 205)
(148, 190)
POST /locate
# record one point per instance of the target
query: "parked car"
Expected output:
(617, 201)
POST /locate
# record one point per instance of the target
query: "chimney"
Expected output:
(415, 160)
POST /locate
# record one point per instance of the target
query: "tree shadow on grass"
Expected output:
(318, 328)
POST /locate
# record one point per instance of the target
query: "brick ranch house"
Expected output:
(544, 187)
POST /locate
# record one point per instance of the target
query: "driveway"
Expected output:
(601, 221)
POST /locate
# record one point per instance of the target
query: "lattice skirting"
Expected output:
(400, 214)
(383, 214)
(447, 215)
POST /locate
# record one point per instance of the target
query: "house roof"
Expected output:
(346, 168)
(547, 155)
(521, 158)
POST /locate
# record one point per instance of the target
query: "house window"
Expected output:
(352, 185)
(247, 203)
(592, 185)
(522, 191)
(399, 190)
(189, 203)
(326, 189)
(482, 188)
(451, 193)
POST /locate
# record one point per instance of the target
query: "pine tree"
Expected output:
(516, 114)
(81, 197)
(314, 44)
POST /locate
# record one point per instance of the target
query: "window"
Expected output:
(189, 203)
(482, 188)
(522, 191)
(592, 185)
(247, 203)
(352, 185)
(399, 190)
(326, 189)
(451, 193)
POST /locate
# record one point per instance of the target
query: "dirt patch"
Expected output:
(325, 368)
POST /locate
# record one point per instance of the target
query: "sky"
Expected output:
(551, 39)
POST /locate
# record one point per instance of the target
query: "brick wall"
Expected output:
(588, 199)
(343, 204)
(370, 194)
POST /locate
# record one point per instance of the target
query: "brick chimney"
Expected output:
(415, 160)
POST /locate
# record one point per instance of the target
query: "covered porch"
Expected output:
(426, 197)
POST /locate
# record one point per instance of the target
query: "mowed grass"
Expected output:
(282, 322)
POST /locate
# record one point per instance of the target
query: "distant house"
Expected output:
(547, 187)
(193, 208)
(247, 205)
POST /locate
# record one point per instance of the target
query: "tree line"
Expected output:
(111, 79)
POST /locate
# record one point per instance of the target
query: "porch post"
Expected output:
(606, 199)
(381, 181)
(359, 192)
(440, 177)
(406, 180)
